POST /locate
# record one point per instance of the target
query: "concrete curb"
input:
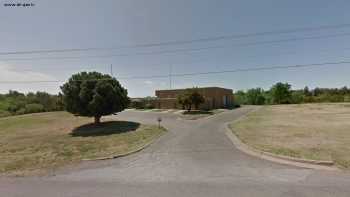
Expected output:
(304, 163)
(138, 149)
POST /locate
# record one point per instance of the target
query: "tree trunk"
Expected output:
(97, 120)
(189, 107)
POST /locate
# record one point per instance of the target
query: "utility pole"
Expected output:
(111, 70)
(170, 76)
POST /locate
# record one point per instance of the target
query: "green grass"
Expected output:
(309, 131)
(159, 110)
(198, 114)
(143, 109)
(35, 143)
(152, 110)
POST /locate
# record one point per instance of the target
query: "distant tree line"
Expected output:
(142, 103)
(282, 93)
(16, 103)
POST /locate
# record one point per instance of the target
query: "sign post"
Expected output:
(159, 119)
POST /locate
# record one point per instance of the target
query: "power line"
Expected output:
(199, 73)
(185, 50)
(53, 81)
(240, 70)
(319, 51)
(179, 42)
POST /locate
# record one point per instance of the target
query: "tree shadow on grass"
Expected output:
(104, 128)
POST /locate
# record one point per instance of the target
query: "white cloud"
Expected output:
(8, 73)
(163, 84)
(148, 82)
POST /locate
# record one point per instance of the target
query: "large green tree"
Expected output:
(196, 98)
(93, 94)
(281, 93)
(185, 100)
(255, 96)
(190, 97)
(181, 99)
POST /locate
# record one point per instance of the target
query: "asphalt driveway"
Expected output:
(195, 158)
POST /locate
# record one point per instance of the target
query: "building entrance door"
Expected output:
(224, 101)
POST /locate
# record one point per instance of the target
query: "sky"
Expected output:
(67, 24)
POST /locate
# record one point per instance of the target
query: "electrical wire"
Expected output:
(198, 73)
(180, 42)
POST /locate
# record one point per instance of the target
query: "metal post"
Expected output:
(159, 119)
(170, 77)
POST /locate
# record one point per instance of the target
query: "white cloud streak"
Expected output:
(7, 73)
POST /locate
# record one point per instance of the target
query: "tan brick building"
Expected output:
(215, 98)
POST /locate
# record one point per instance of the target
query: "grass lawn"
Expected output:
(159, 110)
(152, 110)
(197, 114)
(143, 109)
(311, 131)
(31, 144)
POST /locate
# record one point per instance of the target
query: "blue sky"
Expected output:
(111, 23)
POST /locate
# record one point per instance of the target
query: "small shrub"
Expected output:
(149, 106)
(297, 97)
(15, 106)
(235, 104)
(34, 108)
(347, 99)
(4, 113)
(139, 104)
(20, 111)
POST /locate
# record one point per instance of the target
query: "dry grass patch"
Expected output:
(310, 131)
(39, 142)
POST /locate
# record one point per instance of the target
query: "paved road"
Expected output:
(194, 158)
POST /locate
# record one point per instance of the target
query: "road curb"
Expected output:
(125, 154)
(304, 163)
